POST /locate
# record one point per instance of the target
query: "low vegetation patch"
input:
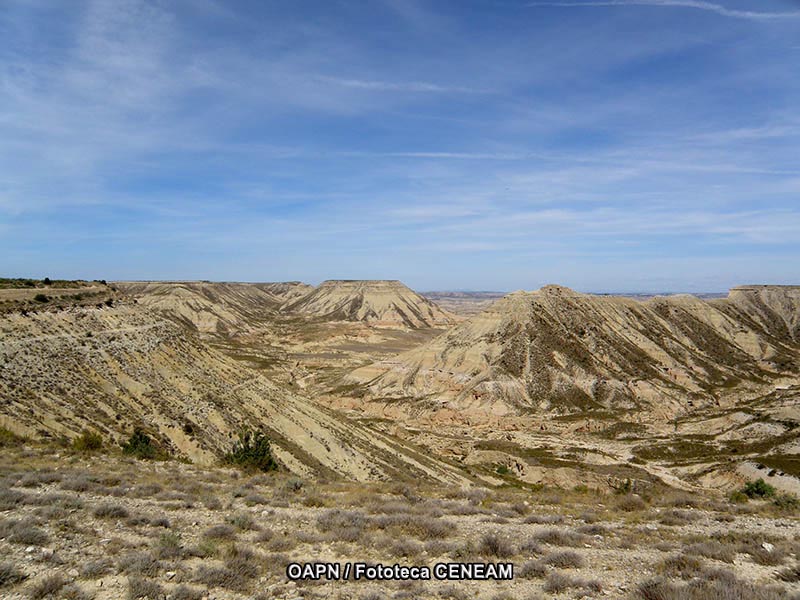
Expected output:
(141, 445)
(252, 453)
(88, 441)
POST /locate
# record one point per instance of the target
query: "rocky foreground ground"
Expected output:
(103, 525)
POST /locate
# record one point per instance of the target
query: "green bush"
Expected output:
(252, 452)
(140, 445)
(738, 497)
(41, 298)
(758, 489)
(88, 441)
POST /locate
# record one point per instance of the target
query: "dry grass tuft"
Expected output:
(10, 574)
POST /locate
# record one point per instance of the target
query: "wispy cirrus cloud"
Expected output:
(402, 86)
(695, 4)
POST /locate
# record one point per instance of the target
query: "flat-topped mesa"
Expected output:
(387, 303)
(559, 351)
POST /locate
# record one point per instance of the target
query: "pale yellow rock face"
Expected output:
(383, 303)
(556, 350)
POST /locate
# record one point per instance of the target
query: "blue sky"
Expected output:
(606, 145)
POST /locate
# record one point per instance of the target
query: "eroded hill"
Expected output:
(114, 368)
(382, 303)
(556, 350)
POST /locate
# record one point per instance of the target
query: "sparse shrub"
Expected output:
(10, 575)
(758, 489)
(140, 445)
(50, 585)
(220, 532)
(405, 548)
(23, 531)
(558, 537)
(252, 452)
(763, 556)
(532, 569)
(530, 547)
(72, 591)
(564, 560)
(88, 441)
(342, 522)
(631, 503)
(253, 499)
(557, 583)
(39, 478)
(658, 589)
(95, 568)
(141, 588)
(239, 569)
(707, 589)
(11, 498)
(593, 530)
(492, 544)
(139, 563)
(681, 565)
(544, 519)
(787, 502)
(41, 298)
(184, 592)
(789, 574)
(168, 546)
(111, 511)
(243, 521)
(712, 549)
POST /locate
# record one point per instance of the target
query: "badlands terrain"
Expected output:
(597, 442)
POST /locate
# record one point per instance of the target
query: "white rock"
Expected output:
(170, 574)
(768, 547)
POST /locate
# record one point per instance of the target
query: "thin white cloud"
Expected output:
(696, 4)
(401, 86)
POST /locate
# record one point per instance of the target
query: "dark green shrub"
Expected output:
(8, 438)
(88, 441)
(758, 489)
(140, 445)
(41, 298)
(46, 281)
(252, 452)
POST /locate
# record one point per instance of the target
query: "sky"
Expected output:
(620, 145)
